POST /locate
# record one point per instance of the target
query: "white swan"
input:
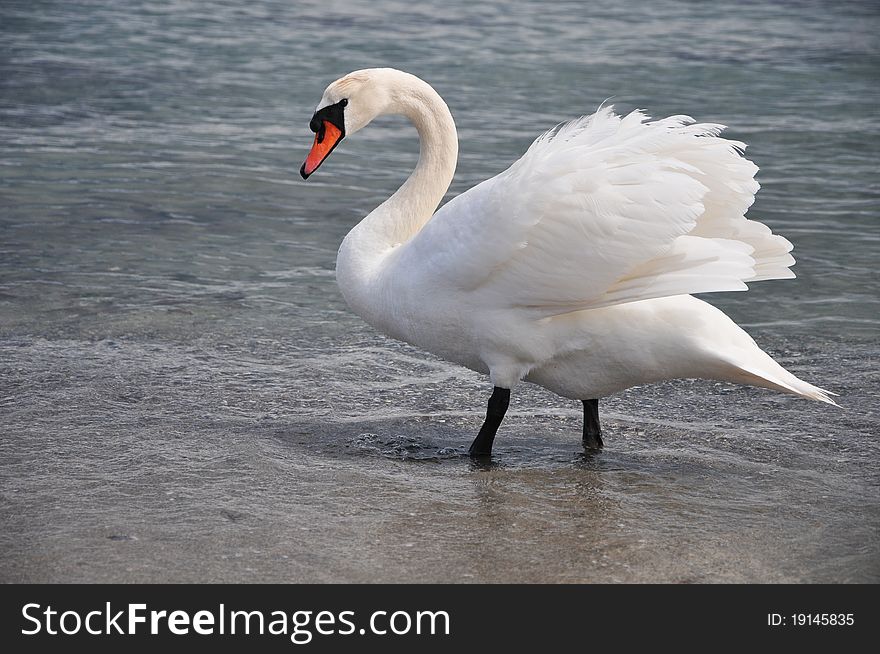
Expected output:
(573, 268)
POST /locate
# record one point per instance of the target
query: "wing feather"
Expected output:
(605, 210)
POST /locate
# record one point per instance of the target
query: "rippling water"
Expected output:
(184, 395)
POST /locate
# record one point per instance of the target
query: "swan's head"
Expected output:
(347, 105)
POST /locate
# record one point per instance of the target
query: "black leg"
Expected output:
(498, 403)
(592, 429)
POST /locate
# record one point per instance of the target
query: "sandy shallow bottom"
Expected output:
(150, 462)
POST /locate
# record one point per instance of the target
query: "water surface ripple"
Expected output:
(185, 397)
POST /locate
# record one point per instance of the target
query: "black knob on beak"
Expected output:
(315, 124)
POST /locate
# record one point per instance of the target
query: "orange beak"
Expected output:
(326, 139)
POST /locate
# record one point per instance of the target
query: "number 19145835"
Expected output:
(811, 620)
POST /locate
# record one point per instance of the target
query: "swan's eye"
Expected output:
(343, 102)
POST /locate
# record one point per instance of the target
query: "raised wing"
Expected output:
(605, 210)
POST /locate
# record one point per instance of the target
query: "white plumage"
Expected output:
(605, 210)
(574, 268)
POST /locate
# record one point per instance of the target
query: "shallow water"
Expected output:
(185, 397)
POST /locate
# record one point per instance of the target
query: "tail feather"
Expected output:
(778, 378)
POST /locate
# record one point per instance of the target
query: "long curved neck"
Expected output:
(406, 212)
(400, 217)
